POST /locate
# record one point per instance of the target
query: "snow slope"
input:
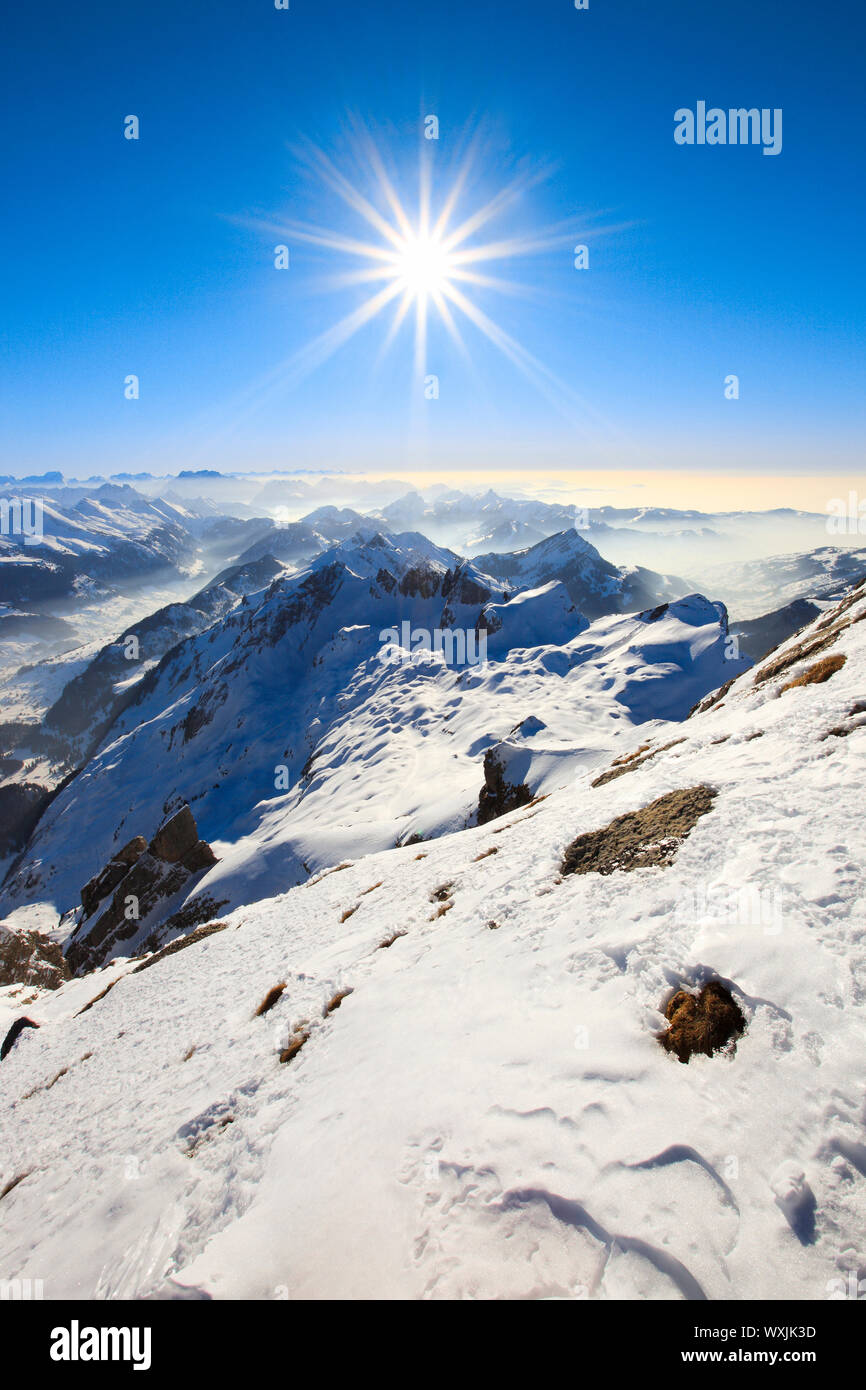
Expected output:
(487, 1113)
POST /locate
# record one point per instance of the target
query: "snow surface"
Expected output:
(487, 1114)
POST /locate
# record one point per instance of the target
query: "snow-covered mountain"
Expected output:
(107, 535)
(594, 584)
(296, 730)
(753, 588)
(434, 1070)
(60, 721)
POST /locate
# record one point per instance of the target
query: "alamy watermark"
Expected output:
(77, 1343)
(21, 1290)
(459, 646)
(23, 516)
(737, 126)
(729, 905)
(847, 516)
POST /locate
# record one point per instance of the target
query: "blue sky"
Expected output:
(155, 257)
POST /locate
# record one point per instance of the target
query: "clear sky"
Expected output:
(155, 257)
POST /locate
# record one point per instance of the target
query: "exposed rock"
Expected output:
(148, 876)
(108, 878)
(14, 1032)
(854, 719)
(176, 838)
(386, 581)
(715, 697)
(640, 839)
(652, 615)
(706, 1022)
(96, 998)
(29, 958)
(335, 1001)
(21, 805)
(203, 712)
(420, 581)
(498, 796)
(13, 1183)
(296, 1042)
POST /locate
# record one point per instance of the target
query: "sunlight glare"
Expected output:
(422, 266)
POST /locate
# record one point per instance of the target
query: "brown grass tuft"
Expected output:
(485, 854)
(335, 1002)
(326, 873)
(272, 997)
(707, 1022)
(811, 646)
(96, 998)
(295, 1045)
(817, 674)
(13, 1182)
(632, 761)
(389, 940)
(348, 913)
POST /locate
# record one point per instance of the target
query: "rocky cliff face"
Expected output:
(499, 795)
(136, 889)
(29, 958)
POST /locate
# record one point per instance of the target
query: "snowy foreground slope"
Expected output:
(486, 1112)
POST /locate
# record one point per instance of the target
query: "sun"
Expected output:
(423, 267)
(428, 265)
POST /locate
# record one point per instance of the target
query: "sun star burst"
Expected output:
(425, 265)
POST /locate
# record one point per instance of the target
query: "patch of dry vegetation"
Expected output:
(705, 1023)
(295, 1043)
(641, 839)
(181, 944)
(632, 761)
(13, 1183)
(817, 674)
(335, 1001)
(389, 940)
(273, 996)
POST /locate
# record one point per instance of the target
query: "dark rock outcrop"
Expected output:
(108, 878)
(134, 886)
(21, 805)
(176, 838)
(14, 1032)
(499, 796)
(29, 958)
